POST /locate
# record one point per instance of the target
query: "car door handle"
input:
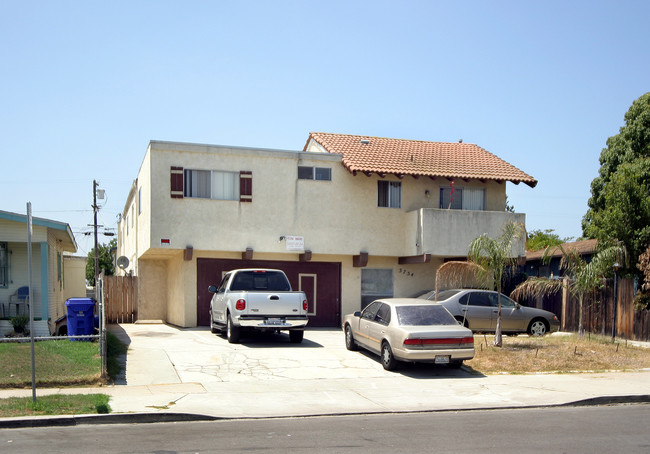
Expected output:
(463, 310)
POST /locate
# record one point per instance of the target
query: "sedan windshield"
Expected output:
(422, 315)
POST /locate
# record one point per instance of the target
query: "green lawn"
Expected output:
(58, 363)
(56, 404)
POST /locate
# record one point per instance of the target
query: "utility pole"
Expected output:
(95, 209)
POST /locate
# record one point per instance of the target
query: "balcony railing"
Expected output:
(448, 233)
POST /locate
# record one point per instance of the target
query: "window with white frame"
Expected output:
(389, 194)
(4, 265)
(211, 184)
(462, 198)
(314, 173)
(375, 284)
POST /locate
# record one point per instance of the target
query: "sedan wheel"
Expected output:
(537, 328)
(349, 339)
(387, 359)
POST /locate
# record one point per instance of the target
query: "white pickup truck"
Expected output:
(259, 299)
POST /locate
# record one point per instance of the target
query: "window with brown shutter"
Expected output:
(245, 186)
(177, 182)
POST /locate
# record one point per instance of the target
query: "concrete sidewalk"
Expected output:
(172, 373)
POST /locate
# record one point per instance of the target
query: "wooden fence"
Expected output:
(121, 299)
(598, 312)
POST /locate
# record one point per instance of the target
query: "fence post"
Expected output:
(102, 325)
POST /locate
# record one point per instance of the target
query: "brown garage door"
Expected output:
(321, 282)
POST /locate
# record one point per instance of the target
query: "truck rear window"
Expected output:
(273, 281)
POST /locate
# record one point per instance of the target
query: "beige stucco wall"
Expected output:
(168, 287)
(153, 290)
(335, 217)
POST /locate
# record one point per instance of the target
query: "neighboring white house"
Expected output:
(50, 240)
(74, 269)
(348, 218)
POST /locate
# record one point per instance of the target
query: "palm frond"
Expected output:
(457, 274)
(534, 287)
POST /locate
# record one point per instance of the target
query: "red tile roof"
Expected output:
(583, 247)
(418, 158)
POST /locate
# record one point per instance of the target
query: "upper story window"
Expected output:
(211, 184)
(314, 173)
(389, 194)
(462, 199)
(4, 265)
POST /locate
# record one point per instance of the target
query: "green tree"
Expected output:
(493, 256)
(541, 239)
(105, 261)
(618, 207)
(582, 276)
(627, 200)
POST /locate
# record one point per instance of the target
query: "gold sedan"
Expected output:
(409, 329)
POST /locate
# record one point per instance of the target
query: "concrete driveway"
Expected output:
(163, 354)
(193, 371)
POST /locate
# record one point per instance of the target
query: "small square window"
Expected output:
(305, 173)
(323, 173)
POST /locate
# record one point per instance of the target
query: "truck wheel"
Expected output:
(232, 331)
(296, 335)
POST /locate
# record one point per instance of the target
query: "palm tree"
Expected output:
(493, 256)
(582, 277)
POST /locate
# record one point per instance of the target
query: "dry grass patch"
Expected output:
(523, 354)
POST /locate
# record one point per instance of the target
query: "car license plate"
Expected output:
(442, 359)
(274, 321)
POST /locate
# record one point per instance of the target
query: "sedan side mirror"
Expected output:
(357, 314)
(212, 289)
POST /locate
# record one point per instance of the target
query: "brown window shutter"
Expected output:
(177, 182)
(245, 186)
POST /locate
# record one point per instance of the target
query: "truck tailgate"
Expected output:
(274, 303)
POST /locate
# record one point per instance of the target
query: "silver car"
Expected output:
(478, 310)
(409, 329)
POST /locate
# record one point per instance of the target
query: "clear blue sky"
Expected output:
(85, 85)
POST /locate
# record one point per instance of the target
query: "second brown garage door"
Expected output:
(321, 282)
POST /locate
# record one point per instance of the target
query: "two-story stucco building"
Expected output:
(348, 218)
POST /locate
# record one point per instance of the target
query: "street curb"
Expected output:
(150, 418)
(116, 418)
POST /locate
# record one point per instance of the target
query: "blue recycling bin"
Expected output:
(81, 317)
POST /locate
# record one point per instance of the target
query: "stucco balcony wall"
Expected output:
(448, 233)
